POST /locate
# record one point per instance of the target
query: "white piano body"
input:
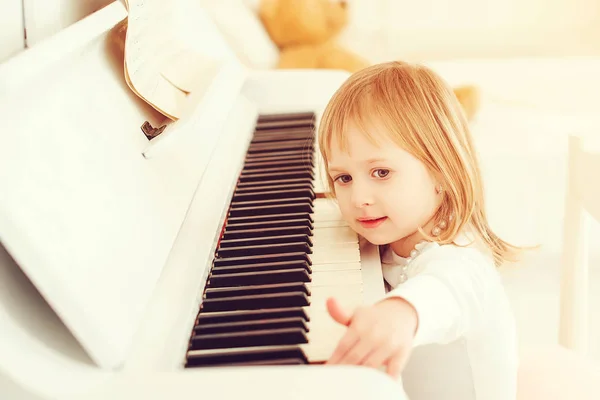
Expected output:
(107, 237)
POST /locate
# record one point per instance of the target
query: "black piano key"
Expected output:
(266, 249)
(250, 315)
(249, 356)
(276, 137)
(298, 162)
(260, 324)
(279, 170)
(265, 232)
(271, 210)
(259, 267)
(305, 115)
(259, 277)
(281, 125)
(234, 224)
(277, 176)
(302, 145)
(266, 240)
(262, 258)
(271, 300)
(260, 188)
(280, 155)
(252, 290)
(272, 337)
(295, 181)
(235, 205)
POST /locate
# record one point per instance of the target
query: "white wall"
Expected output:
(11, 28)
(439, 29)
(42, 19)
(46, 17)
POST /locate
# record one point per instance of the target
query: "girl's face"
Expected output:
(383, 192)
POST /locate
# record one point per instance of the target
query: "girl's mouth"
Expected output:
(371, 223)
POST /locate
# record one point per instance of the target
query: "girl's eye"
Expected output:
(381, 173)
(343, 178)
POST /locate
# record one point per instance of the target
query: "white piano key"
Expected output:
(336, 277)
(332, 266)
(326, 209)
(336, 253)
(329, 224)
(324, 236)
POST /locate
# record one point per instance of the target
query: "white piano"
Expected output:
(122, 274)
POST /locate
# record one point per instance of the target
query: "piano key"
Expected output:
(263, 232)
(262, 258)
(267, 355)
(267, 249)
(309, 116)
(281, 126)
(337, 234)
(272, 202)
(342, 277)
(295, 145)
(295, 181)
(272, 300)
(251, 315)
(272, 210)
(298, 134)
(251, 290)
(250, 338)
(274, 187)
(277, 176)
(280, 170)
(284, 219)
(242, 267)
(296, 162)
(260, 324)
(265, 240)
(260, 277)
(280, 155)
(339, 253)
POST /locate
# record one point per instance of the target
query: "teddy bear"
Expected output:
(305, 32)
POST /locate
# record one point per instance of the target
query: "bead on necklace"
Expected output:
(418, 248)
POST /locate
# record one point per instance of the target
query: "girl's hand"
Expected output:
(377, 335)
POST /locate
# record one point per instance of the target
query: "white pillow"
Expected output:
(245, 33)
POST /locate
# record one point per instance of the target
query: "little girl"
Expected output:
(403, 169)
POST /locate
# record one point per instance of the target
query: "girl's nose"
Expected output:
(361, 196)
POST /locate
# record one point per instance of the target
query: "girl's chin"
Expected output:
(377, 239)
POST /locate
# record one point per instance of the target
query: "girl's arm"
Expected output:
(449, 296)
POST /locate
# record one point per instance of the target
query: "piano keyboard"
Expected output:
(283, 250)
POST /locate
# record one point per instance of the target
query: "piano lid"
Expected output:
(89, 208)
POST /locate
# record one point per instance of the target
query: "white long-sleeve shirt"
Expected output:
(465, 347)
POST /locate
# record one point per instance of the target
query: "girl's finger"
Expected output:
(377, 356)
(345, 344)
(336, 311)
(358, 352)
(395, 364)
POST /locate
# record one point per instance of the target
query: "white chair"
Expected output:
(564, 371)
(582, 204)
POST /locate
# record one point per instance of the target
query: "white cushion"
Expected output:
(245, 33)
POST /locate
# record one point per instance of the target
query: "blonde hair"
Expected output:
(421, 114)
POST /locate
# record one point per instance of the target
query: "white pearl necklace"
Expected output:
(418, 249)
(413, 254)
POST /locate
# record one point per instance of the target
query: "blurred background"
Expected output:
(384, 29)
